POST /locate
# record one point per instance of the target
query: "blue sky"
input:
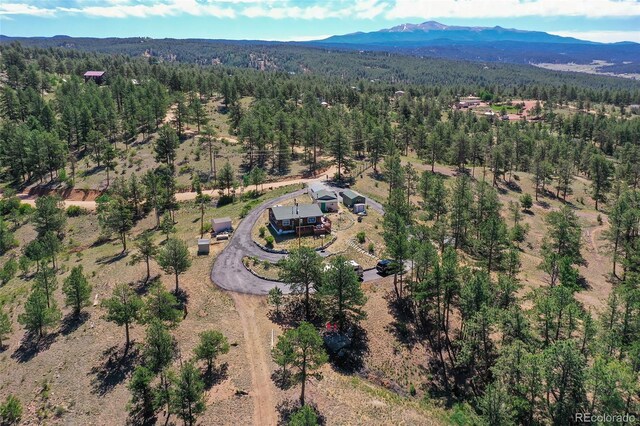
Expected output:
(598, 20)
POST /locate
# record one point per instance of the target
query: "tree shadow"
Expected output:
(217, 375)
(115, 365)
(141, 287)
(107, 260)
(72, 322)
(183, 299)
(292, 313)
(347, 351)
(282, 379)
(287, 408)
(30, 346)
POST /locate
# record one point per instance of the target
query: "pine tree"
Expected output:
(174, 258)
(162, 306)
(600, 172)
(124, 308)
(146, 250)
(212, 344)
(77, 290)
(38, 315)
(159, 347)
(341, 291)
(187, 399)
(308, 354)
(142, 395)
(302, 271)
(116, 216)
(5, 326)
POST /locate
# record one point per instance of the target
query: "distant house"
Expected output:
(300, 218)
(399, 93)
(350, 198)
(635, 108)
(327, 200)
(221, 224)
(97, 76)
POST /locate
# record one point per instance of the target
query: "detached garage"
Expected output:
(349, 198)
(221, 224)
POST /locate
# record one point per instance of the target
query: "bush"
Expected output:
(11, 411)
(361, 237)
(245, 210)
(262, 231)
(526, 201)
(372, 248)
(269, 241)
(75, 211)
(412, 390)
(206, 227)
(8, 270)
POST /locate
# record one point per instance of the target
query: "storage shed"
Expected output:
(349, 198)
(221, 224)
(203, 245)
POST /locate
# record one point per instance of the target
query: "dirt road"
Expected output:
(187, 196)
(258, 358)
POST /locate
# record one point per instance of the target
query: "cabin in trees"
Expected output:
(305, 219)
(327, 200)
(96, 76)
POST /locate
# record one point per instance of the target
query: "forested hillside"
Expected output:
(514, 296)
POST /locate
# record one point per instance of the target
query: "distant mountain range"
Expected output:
(492, 44)
(429, 40)
(428, 32)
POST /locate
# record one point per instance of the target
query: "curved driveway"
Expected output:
(229, 273)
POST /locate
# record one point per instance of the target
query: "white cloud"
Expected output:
(602, 36)
(325, 9)
(427, 9)
(24, 9)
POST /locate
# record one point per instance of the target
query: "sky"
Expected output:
(287, 20)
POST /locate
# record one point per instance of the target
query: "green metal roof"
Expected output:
(290, 212)
(351, 194)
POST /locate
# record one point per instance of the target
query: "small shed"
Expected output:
(97, 76)
(359, 209)
(203, 245)
(221, 224)
(349, 198)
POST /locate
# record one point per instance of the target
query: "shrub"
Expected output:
(75, 211)
(372, 248)
(269, 240)
(245, 210)
(526, 201)
(206, 227)
(9, 270)
(412, 390)
(599, 219)
(262, 231)
(361, 237)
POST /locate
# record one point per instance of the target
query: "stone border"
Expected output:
(254, 273)
(283, 251)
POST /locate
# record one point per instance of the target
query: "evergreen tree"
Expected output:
(124, 308)
(146, 250)
(302, 271)
(116, 216)
(600, 172)
(212, 344)
(142, 396)
(162, 306)
(5, 326)
(308, 354)
(342, 293)
(187, 400)
(174, 258)
(38, 315)
(77, 290)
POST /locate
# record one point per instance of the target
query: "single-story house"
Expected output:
(97, 76)
(327, 200)
(350, 197)
(221, 224)
(300, 218)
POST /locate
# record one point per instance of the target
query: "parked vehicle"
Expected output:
(356, 267)
(387, 267)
